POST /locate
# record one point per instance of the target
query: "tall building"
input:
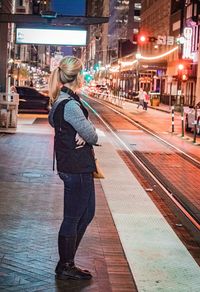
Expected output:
(184, 24)
(38, 6)
(39, 55)
(155, 22)
(175, 27)
(155, 25)
(124, 24)
(97, 34)
(108, 42)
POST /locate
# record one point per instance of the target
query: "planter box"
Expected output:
(155, 101)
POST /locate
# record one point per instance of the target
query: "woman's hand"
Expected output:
(79, 140)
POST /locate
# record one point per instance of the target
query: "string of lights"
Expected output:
(141, 57)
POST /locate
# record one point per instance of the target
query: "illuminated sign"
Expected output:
(49, 36)
(165, 40)
(187, 45)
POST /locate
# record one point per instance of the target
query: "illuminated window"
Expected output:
(137, 18)
(189, 11)
(137, 6)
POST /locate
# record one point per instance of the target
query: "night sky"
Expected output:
(69, 7)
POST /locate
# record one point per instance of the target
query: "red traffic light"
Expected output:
(142, 39)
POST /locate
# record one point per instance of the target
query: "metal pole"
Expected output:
(119, 86)
(173, 119)
(137, 77)
(182, 119)
(18, 71)
(195, 125)
(170, 96)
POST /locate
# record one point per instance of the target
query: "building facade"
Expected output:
(96, 51)
(175, 28)
(124, 25)
(15, 66)
(6, 42)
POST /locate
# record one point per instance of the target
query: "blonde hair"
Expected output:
(68, 72)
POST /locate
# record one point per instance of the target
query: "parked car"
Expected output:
(190, 118)
(101, 87)
(30, 100)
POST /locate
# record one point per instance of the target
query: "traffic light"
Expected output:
(143, 39)
(182, 71)
(88, 77)
(152, 39)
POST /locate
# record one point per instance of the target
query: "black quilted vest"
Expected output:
(69, 158)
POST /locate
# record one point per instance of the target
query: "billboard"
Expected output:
(51, 36)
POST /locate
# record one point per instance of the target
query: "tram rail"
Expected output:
(181, 201)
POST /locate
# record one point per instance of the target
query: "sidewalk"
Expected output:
(159, 120)
(162, 107)
(30, 214)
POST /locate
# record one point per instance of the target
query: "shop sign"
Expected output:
(165, 40)
(187, 46)
(170, 40)
(162, 40)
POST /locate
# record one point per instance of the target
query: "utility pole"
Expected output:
(197, 99)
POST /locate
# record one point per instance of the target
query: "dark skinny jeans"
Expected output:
(79, 203)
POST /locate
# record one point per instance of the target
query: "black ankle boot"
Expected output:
(70, 271)
(66, 268)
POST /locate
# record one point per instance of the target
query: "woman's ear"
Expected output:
(80, 79)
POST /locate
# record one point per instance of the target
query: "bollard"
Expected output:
(195, 125)
(182, 119)
(173, 119)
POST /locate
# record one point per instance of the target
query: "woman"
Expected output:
(74, 137)
(146, 99)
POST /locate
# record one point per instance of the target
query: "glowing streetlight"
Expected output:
(180, 66)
